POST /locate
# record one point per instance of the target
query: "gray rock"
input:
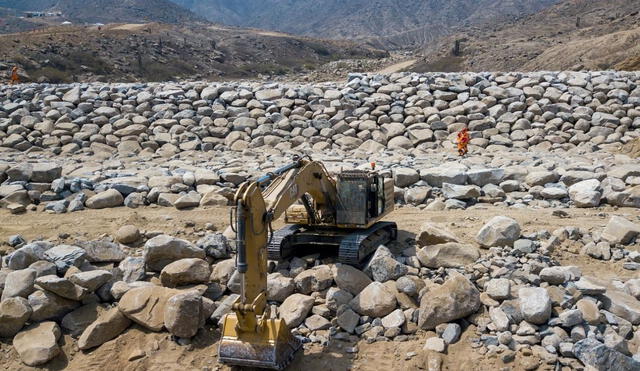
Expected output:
(184, 314)
(106, 327)
(14, 313)
(315, 279)
(452, 333)
(376, 300)
(65, 256)
(499, 231)
(91, 280)
(38, 344)
(279, 287)
(62, 287)
(163, 250)
(215, 245)
(28, 254)
(348, 320)
(185, 272)
(460, 192)
(350, 279)
(102, 251)
(593, 353)
(106, 199)
(455, 299)
(535, 304)
(448, 255)
(295, 309)
(49, 306)
(19, 284)
(620, 230)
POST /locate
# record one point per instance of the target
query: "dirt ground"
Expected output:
(139, 349)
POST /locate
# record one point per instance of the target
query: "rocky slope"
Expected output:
(359, 19)
(160, 52)
(108, 11)
(573, 34)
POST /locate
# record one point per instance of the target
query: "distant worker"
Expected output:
(463, 141)
(15, 79)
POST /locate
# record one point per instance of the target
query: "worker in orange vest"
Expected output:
(463, 141)
(15, 79)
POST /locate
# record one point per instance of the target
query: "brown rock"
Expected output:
(109, 325)
(455, 299)
(146, 305)
(38, 343)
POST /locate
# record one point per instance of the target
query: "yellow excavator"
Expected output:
(342, 213)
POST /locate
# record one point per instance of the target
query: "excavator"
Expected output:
(343, 213)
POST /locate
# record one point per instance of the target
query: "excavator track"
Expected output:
(353, 245)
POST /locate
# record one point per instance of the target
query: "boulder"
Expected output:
(65, 256)
(215, 245)
(146, 305)
(448, 255)
(315, 279)
(482, 177)
(317, 322)
(499, 231)
(107, 326)
(376, 300)
(185, 272)
(350, 279)
(163, 250)
(14, 313)
(184, 314)
(348, 320)
(622, 305)
(620, 231)
(535, 304)
(279, 287)
(78, 320)
(91, 280)
(460, 192)
(28, 254)
(404, 177)
(128, 234)
(62, 287)
(47, 305)
(586, 193)
(19, 284)
(336, 298)
(102, 251)
(132, 269)
(295, 309)
(383, 268)
(38, 343)
(434, 234)
(593, 353)
(106, 199)
(455, 299)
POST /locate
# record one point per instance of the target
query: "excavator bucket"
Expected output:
(271, 347)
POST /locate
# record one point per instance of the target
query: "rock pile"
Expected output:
(546, 122)
(514, 293)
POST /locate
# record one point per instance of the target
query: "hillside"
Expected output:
(108, 11)
(160, 52)
(360, 19)
(574, 34)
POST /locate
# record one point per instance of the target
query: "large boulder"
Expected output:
(620, 231)
(404, 177)
(102, 251)
(19, 283)
(184, 314)
(315, 279)
(460, 192)
(38, 344)
(535, 304)
(455, 299)
(163, 250)
(215, 245)
(295, 309)
(106, 199)
(622, 304)
(47, 305)
(77, 321)
(146, 305)
(499, 231)
(376, 300)
(65, 256)
(586, 193)
(448, 255)
(62, 287)
(350, 279)
(106, 327)
(593, 353)
(91, 280)
(279, 287)
(14, 313)
(185, 272)
(28, 254)
(433, 234)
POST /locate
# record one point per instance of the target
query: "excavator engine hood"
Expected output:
(271, 347)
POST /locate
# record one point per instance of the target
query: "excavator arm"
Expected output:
(250, 336)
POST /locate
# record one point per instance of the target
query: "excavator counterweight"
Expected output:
(344, 213)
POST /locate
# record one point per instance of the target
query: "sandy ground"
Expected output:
(139, 349)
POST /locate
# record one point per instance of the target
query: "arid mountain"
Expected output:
(108, 11)
(574, 34)
(160, 52)
(360, 19)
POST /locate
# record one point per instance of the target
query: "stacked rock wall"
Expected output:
(541, 110)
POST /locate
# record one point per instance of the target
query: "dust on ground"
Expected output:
(140, 349)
